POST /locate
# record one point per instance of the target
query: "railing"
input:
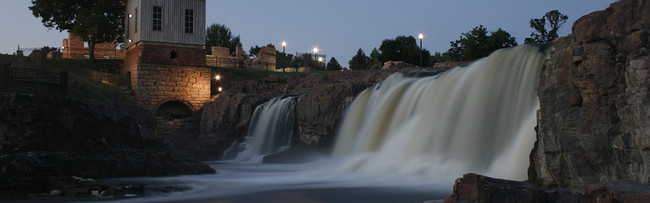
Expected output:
(34, 75)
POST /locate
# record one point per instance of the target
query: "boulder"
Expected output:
(477, 188)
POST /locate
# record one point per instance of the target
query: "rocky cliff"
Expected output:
(322, 99)
(43, 137)
(593, 122)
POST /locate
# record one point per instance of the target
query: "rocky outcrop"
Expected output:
(321, 102)
(42, 137)
(476, 188)
(593, 123)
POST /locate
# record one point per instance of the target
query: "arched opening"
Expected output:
(174, 110)
(173, 55)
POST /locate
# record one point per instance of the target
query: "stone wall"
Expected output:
(265, 59)
(155, 85)
(73, 47)
(593, 123)
(185, 55)
(221, 58)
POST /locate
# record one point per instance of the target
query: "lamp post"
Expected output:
(284, 45)
(421, 36)
(316, 53)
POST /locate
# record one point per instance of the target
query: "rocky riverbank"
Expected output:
(44, 138)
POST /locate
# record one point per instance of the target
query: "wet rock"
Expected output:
(592, 123)
(476, 188)
(618, 191)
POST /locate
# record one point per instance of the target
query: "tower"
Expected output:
(164, 54)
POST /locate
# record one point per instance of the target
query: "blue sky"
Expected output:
(337, 27)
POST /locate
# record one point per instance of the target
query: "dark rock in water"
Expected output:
(593, 120)
(619, 191)
(476, 188)
(42, 137)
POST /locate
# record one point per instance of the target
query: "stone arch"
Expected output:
(174, 109)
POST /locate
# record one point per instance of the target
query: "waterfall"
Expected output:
(270, 131)
(478, 118)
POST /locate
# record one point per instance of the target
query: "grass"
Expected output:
(82, 86)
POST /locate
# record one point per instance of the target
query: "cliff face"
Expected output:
(44, 136)
(320, 105)
(593, 122)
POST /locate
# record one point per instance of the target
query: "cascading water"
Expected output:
(478, 118)
(269, 132)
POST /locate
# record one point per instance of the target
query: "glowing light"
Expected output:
(284, 43)
(63, 47)
(315, 50)
(130, 41)
(421, 36)
(220, 89)
(130, 15)
(320, 59)
(218, 77)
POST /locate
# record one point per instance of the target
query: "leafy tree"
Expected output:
(95, 21)
(334, 65)
(375, 60)
(283, 60)
(255, 50)
(359, 61)
(477, 43)
(220, 35)
(404, 49)
(553, 19)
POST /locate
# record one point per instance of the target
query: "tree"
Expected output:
(404, 49)
(255, 50)
(334, 65)
(359, 61)
(375, 60)
(477, 44)
(221, 36)
(554, 19)
(95, 21)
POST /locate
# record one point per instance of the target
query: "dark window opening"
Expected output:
(189, 21)
(173, 55)
(157, 18)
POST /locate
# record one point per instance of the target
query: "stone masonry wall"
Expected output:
(153, 53)
(158, 84)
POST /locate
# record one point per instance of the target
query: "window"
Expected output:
(189, 21)
(157, 18)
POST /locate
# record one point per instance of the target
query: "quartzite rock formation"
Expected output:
(321, 102)
(593, 122)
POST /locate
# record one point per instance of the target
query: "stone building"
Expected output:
(73, 48)
(265, 59)
(221, 58)
(164, 58)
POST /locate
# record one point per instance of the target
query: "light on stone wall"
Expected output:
(220, 89)
(130, 15)
(218, 77)
(130, 41)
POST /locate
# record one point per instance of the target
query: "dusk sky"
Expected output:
(337, 27)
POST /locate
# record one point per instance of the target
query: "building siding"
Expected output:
(173, 22)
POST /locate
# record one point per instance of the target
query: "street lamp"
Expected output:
(421, 36)
(284, 45)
